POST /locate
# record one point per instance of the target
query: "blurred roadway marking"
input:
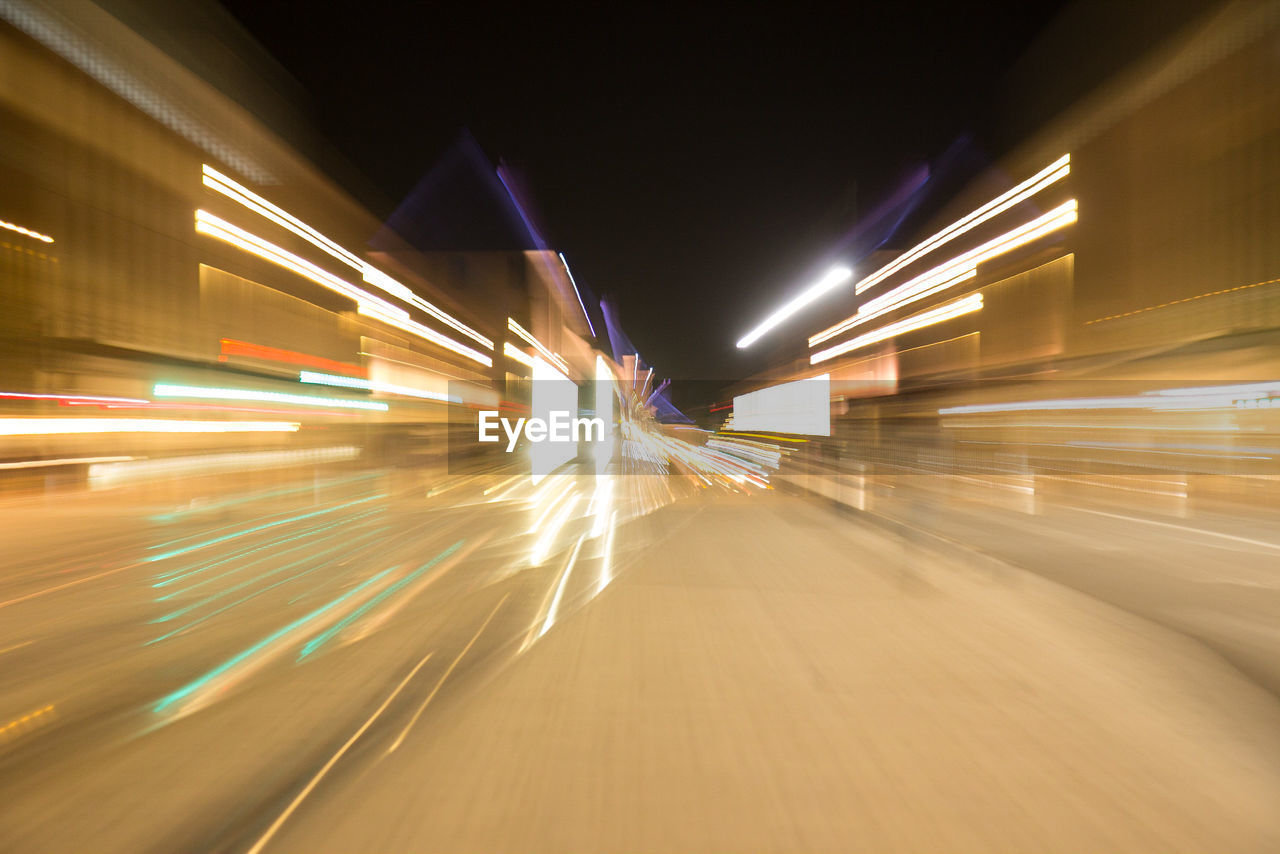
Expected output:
(16, 646)
(1185, 529)
(333, 760)
(68, 584)
(7, 730)
(400, 739)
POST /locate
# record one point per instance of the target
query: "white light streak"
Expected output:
(26, 232)
(219, 182)
(64, 426)
(578, 293)
(537, 345)
(373, 385)
(833, 278)
(366, 303)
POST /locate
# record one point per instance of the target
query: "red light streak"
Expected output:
(231, 347)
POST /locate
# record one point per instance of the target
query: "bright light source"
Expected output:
(578, 293)
(833, 278)
(954, 271)
(215, 180)
(537, 345)
(604, 410)
(373, 385)
(963, 306)
(513, 352)
(26, 232)
(207, 393)
(379, 279)
(366, 303)
(53, 426)
(1052, 173)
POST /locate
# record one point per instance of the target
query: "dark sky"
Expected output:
(693, 161)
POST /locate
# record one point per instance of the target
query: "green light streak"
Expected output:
(211, 393)
(319, 640)
(255, 529)
(166, 518)
(231, 663)
(244, 599)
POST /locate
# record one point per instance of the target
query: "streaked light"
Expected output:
(512, 352)
(578, 294)
(399, 318)
(68, 461)
(604, 410)
(958, 269)
(107, 472)
(1236, 396)
(211, 393)
(832, 279)
(62, 426)
(70, 398)
(1052, 173)
(215, 180)
(965, 305)
(366, 303)
(542, 548)
(606, 558)
(213, 226)
(379, 279)
(537, 345)
(232, 347)
(564, 582)
(373, 385)
(26, 232)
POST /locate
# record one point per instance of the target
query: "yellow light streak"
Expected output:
(1052, 173)
(215, 180)
(512, 352)
(537, 345)
(954, 271)
(965, 305)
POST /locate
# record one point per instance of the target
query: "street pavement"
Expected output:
(360, 661)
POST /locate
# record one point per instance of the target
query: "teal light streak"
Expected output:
(205, 533)
(309, 532)
(165, 518)
(215, 596)
(230, 664)
(244, 599)
(322, 638)
(257, 528)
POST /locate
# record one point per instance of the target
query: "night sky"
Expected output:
(694, 162)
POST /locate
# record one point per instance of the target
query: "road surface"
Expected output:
(370, 661)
